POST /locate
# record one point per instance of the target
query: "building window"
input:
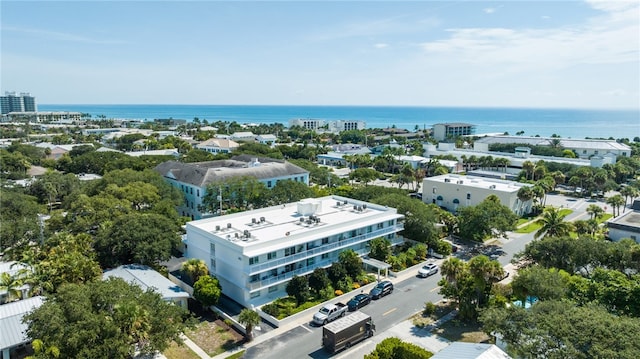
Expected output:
(268, 184)
(254, 278)
(213, 264)
(273, 288)
(255, 294)
(325, 255)
(272, 255)
(311, 261)
(468, 195)
(289, 251)
(391, 223)
(191, 190)
(212, 248)
(433, 190)
(380, 225)
(325, 240)
(198, 192)
(254, 260)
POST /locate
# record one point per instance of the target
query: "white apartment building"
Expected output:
(307, 123)
(254, 254)
(442, 131)
(454, 191)
(346, 125)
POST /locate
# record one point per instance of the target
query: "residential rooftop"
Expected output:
(291, 222)
(145, 277)
(202, 173)
(478, 182)
(11, 314)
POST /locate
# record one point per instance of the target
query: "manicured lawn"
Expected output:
(458, 331)
(604, 217)
(531, 227)
(565, 212)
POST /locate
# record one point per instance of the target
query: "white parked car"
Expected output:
(428, 270)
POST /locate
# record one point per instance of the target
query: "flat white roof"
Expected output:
(478, 182)
(320, 217)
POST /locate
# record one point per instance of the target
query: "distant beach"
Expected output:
(566, 123)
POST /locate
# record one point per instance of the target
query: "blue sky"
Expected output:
(567, 54)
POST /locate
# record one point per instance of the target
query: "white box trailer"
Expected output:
(346, 331)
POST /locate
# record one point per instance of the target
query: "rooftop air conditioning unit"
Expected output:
(262, 219)
(364, 206)
(228, 225)
(217, 228)
(254, 221)
(345, 202)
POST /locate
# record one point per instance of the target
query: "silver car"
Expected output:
(428, 270)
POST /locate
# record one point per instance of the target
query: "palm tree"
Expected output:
(525, 194)
(595, 211)
(616, 201)
(558, 177)
(528, 167)
(249, 318)
(552, 224)
(195, 268)
(628, 192)
(10, 284)
(485, 272)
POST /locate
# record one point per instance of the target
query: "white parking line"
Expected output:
(305, 327)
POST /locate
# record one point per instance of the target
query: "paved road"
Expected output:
(304, 341)
(408, 298)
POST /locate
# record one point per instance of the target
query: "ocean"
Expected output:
(567, 123)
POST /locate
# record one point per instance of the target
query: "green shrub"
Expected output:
(272, 309)
(345, 284)
(326, 293)
(429, 309)
(228, 322)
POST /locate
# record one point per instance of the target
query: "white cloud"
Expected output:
(489, 10)
(380, 45)
(611, 38)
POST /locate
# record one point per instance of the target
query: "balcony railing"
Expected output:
(256, 268)
(276, 279)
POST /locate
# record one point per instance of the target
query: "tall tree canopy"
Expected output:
(488, 219)
(144, 238)
(105, 319)
(557, 329)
